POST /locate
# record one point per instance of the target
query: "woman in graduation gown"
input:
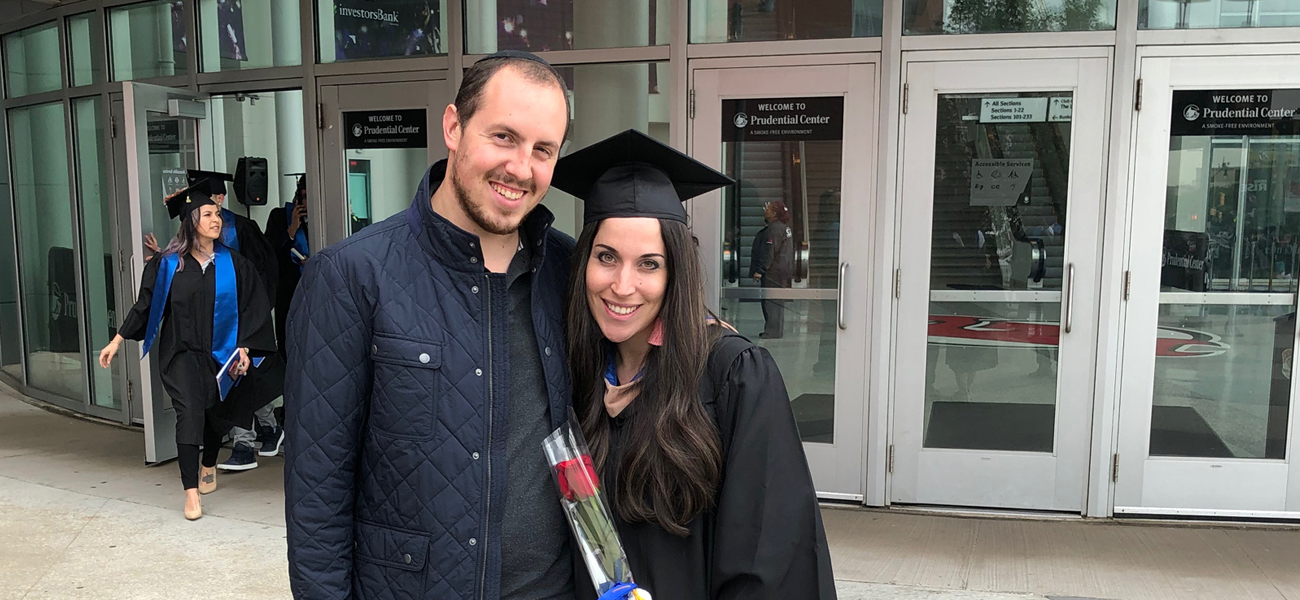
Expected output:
(689, 423)
(201, 304)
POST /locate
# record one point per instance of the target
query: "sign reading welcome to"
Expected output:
(1235, 112)
(783, 119)
(385, 129)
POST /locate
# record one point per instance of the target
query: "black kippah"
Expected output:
(518, 54)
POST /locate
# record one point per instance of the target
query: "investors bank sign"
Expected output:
(783, 119)
(1235, 112)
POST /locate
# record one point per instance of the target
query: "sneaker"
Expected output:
(241, 458)
(271, 439)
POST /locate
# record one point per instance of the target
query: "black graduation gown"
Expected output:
(277, 235)
(184, 344)
(254, 246)
(764, 539)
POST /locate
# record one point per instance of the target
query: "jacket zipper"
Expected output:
(487, 516)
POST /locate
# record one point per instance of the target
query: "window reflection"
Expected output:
(52, 307)
(493, 25)
(1006, 16)
(148, 40)
(769, 20)
(1200, 14)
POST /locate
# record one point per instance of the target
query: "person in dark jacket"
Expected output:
(202, 304)
(771, 264)
(287, 233)
(427, 364)
(689, 424)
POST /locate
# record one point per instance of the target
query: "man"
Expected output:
(286, 231)
(428, 364)
(771, 264)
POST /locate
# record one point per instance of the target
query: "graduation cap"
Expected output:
(633, 175)
(181, 203)
(302, 180)
(210, 182)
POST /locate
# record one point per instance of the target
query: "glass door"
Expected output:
(784, 268)
(1001, 205)
(378, 141)
(1207, 392)
(164, 129)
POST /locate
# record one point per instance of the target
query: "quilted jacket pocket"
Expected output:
(408, 386)
(389, 562)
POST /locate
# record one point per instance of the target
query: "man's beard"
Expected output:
(477, 212)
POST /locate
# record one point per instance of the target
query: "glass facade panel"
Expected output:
(492, 25)
(55, 357)
(921, 17)
(264, 125)
(97, 247)
(1002, 169)
(84, 50)
(608, 99)
(237, 35)
(11, 333)
(1202, 14)
(148, 40)
(32, 60)
(767, 20)
(1228, 278)
(370, 29)
(780, 251)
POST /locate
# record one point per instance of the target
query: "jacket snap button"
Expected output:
(374, 349)
(424, 358)
(478, 372)
(473, 542)
(407, 558)
(475, 455)
(539, 242)
(474, 289)
(548, 350)
(473, 259)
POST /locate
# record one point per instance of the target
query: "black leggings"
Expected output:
(187, 455)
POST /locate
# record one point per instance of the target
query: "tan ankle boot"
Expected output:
(207, 479)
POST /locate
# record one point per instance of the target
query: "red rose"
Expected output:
(577, 478)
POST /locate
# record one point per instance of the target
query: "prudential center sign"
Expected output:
(783, 119)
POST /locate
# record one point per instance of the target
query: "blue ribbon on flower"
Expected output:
(618, 592)
(225, 308)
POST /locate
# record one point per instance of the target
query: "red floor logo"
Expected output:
(1002, 333)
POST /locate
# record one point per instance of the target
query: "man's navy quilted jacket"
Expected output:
(396, 405)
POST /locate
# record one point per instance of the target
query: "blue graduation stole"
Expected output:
(225, 308)
(299, 239)
(229, 237)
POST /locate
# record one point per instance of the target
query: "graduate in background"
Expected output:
(286, 232)
(239, 233)
(689, 423)
(202, 304)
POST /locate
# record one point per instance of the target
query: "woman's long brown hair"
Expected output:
(671, 457)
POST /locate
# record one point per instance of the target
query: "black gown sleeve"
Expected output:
(277, 230)
(256, 329)
(137, 319)
(769, 541)
(254, 246)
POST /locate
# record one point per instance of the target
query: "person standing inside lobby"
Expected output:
(427, 364)
(771, 264)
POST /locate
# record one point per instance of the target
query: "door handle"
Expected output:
(839, 296)
(1069, 297)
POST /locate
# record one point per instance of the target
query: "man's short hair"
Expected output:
(470, 95)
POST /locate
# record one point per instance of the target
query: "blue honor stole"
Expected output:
(299, 239)
(229, 236)
(225, 308)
